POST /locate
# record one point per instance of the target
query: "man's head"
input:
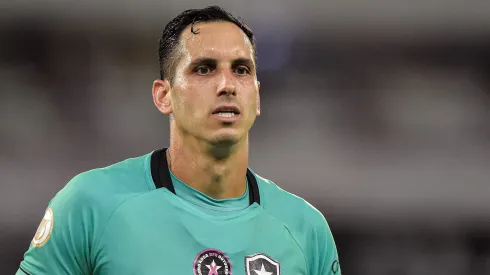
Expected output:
(208, 76)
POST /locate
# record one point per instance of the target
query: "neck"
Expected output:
(218, 171)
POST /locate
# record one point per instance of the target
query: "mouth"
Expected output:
(226, 111)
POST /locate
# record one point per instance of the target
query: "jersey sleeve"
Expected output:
(322, 255)
(62, 242)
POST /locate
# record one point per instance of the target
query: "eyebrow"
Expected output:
(202, 61)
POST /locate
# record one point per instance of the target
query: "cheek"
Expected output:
(251, 101)
(251, 91)
(191, 101)
(177, 102)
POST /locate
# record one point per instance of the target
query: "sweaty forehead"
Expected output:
(220, 40)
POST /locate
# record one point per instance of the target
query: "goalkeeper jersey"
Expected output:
(135, 217)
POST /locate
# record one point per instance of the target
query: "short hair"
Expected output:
(170, 38)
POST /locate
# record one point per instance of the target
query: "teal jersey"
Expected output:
(135, 217)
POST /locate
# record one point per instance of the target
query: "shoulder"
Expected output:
(93, 195)
(288, 207)
(77, 215)
(90, 198)
(118, 180)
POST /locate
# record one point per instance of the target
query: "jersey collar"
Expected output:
(161, 176)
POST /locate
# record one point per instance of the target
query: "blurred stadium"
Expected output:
(377, 112)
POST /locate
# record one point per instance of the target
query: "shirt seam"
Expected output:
(295, 240)
(110, 217)
(262, 199)
(218, 209)
(300, 247)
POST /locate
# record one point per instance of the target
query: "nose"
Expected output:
(226, 84)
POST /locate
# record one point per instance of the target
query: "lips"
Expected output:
(226, 109)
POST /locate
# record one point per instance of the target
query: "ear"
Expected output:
(162, 97)
(258, 99)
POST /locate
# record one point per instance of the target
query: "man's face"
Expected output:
(215, 92)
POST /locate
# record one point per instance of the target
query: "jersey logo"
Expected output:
(212, 262)
(261, 264)
(44, 230)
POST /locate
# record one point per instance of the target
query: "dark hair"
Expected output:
(169, 40)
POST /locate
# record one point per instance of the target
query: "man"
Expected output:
(194, 208)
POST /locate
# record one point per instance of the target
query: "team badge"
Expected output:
(261, 264)
(212, 262)
(44, 230)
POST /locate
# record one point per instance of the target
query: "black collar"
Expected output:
(161, 176)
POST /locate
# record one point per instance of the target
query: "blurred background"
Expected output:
(377, 112)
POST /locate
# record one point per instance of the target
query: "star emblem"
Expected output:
(213, 268)
(262, 271)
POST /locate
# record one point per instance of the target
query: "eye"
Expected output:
(242, 70)
(203, 70)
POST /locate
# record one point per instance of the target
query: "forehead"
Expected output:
(220, 40)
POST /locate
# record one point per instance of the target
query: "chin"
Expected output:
(226, 138)
(223, 145)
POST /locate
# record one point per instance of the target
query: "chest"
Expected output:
(180, 242)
